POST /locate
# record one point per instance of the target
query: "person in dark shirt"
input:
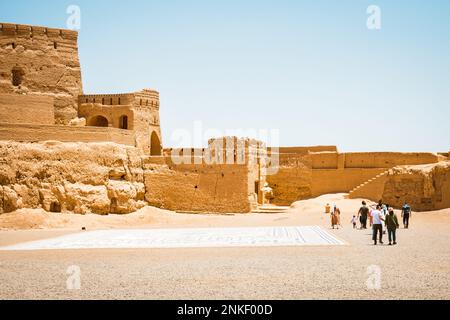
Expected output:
(392, 226)
(406, 214)
(362, 214)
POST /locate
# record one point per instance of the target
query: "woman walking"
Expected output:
(335, 217)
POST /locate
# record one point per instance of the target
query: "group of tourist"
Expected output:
(381, 218)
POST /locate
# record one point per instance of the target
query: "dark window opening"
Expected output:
(17, 77)
(55, 207)
(123, 122)
(103, 101)
(13, 45)
(55, 45)
(256, 187)
(110, 101)
(119, 102)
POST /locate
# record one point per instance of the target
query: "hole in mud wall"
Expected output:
(17, 76)
(196, 187)
(55, 45)
(123, 122)
(55, 207)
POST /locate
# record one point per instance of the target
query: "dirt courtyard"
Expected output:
(417, 268)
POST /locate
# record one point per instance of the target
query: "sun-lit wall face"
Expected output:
(41, 61)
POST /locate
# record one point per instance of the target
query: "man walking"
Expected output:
(362, 214)
(377, 227)
(392, 226)
(406, 213)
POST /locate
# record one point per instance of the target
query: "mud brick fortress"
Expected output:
(63, 150)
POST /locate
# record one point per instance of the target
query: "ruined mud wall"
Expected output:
(293, 180)
(96, 177)
(41, 60)
(423, 187)
(305, 175)
(198, 187)
(110, 178)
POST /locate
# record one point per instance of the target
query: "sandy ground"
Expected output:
(417, 268)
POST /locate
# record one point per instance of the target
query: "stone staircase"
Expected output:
(372, 189)
(270, 209)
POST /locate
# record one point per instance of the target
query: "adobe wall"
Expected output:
(197, 188)
(26, 109)
(146, 119)
(107, 99)
(338, 181)
(36, 133)
(387, 159)
(305, 175)
(425, 188)
(78, 177)
(307, 149)
(112, 113)
(325, 160)
(221, 178)
(141, 108)
(293, 179)
(47, 60)
(107, 178)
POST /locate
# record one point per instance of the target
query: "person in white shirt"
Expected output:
(377, 218)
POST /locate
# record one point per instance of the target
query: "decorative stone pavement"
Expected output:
(186, 238)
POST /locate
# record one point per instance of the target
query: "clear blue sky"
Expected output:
(311, 69)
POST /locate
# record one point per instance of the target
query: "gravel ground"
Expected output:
(417, 268)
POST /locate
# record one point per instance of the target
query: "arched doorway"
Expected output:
(123, 122)
(98, 121)
(155, 145)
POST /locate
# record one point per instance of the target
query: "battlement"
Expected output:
(146, 97)
(23, 30)
(106, 99)
(148, 93)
